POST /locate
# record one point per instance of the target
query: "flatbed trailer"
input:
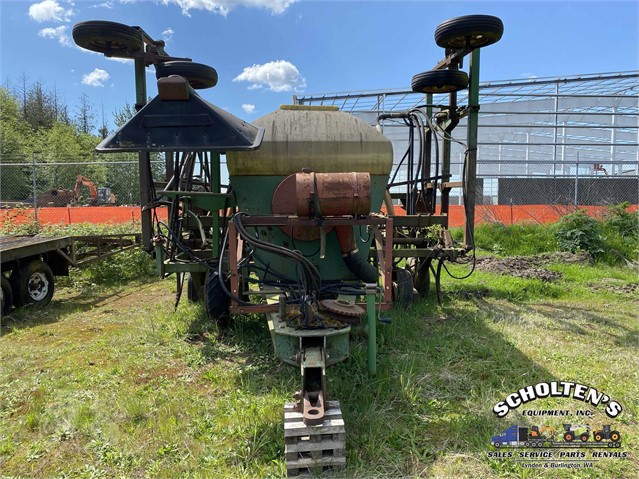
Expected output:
(518, 436)
(28, 264)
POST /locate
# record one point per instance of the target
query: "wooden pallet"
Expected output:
(312, 450)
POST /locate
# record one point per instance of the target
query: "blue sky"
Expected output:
(267, 50)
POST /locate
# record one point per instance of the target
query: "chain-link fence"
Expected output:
(72, 189)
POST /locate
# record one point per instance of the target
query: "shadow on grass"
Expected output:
(85, 300)
(440, 372)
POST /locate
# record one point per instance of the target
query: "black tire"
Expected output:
(32, 284)
(584, 438)
(598, 437)
(497, 444)
(6, 300)
(422, 276)
(440, 81)
(107, 37)
(215, 299)
(195, 287)
(403, 287)
(615, 436)
(198, 75)
(470, 31)
(568, 437)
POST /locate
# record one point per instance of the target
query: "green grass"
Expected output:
(111, 381)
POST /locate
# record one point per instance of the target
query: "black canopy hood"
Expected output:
(178, 119)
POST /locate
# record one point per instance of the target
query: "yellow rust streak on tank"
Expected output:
(323, 140)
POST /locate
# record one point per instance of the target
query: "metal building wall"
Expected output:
(579, 128)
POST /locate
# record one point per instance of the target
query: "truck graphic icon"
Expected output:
(573, 436)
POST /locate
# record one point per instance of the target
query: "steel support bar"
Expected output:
(235, 255)
(144, 160)
(471, 156)
(371, 295)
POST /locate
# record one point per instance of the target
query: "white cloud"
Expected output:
(108, 5)
(49, 11)
(58, 33)
(248, 108)
(223, 7)
(96, 78)
(167, 34)
(277, 76)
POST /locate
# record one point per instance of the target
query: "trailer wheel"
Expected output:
(32, 284)
(107, 37)
(598, 437)
(195, 287)
(6, 298)
(198, 75)
(422, 276)
(403, 287)
(615, 436)
(469, 31)
(215, 299)
(440, 81)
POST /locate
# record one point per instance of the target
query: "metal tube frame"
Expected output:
(383, 248)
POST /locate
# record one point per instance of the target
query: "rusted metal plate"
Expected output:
(284, 202)
(342, 307)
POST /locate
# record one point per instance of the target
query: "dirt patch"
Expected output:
(615, 286)
(529, 266)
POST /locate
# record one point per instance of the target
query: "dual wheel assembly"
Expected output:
(116, 39)
(462, 33)
(31, 284)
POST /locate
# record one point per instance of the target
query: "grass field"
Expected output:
(110, 381)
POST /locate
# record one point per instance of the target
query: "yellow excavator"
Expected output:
(537, 433)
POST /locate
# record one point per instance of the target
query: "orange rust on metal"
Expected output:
(346, 239)
(310, 195)
(173, 87)
(313, 408)
(284, 202)
(343, 308)
(333, 194)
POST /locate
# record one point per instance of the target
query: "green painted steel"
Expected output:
(253, 195)
(287, 341)
(371, 294)
(471, 156)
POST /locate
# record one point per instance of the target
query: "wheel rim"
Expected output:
(109, 45)
(38, 286)
(471, 40)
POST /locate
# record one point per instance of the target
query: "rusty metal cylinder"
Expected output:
(333, 194)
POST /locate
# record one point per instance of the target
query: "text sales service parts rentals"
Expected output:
(557, 389)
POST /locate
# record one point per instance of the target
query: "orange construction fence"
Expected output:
(69, 215)
(511, 214)
(505, 214)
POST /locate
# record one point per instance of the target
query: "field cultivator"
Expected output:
(298, 233)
